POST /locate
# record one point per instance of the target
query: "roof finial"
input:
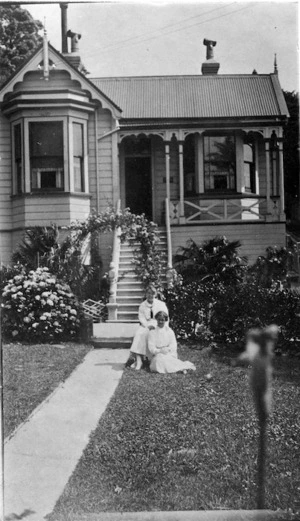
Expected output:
(45, 54)
(275, 64)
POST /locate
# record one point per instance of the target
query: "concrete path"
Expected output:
(41, 456)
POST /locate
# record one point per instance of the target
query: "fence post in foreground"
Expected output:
(259, 351)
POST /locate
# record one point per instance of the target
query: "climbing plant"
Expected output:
(134, 228)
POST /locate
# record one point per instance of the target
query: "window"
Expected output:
(46, 155)
(249, 168)
(189, 165)
(50, 155)
(18, 158)
(78, 165)
(219, 163)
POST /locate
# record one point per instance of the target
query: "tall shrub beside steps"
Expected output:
(38, 307)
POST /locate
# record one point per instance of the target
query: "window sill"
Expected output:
(51, 194)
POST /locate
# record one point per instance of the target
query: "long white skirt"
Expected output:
(169, 364)
(140, 340)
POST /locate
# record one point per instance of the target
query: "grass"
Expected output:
(31, 373)
(175, 442)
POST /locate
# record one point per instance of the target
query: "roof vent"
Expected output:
(210, 66)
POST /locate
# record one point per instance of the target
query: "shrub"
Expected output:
(40, 247)
(249, 305)
(216, 260)
(8, 272)
(38, 307)
(36, 246)
(222, 314)
(272, 268)
(190, 308)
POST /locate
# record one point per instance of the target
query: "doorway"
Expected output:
(138, 185)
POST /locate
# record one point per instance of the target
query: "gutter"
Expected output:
(113, 131)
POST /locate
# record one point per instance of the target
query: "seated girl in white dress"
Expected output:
(147, 311)
(162, 348)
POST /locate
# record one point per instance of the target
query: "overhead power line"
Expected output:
(134, 40)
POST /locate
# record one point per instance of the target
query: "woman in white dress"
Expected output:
(147, 311)
(162, 348)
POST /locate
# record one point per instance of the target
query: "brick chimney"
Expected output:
(210, 66)
(73, 57)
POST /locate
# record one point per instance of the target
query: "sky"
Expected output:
(141, 38)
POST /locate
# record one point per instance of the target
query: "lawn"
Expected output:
(185, 442)
(31, 373)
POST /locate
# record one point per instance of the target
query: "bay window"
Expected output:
(49, 155)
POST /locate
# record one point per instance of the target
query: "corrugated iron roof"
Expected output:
(218, 96)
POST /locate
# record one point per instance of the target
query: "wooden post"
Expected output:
(268, 187)
(181, 180)
(259, 351)
(167, 157)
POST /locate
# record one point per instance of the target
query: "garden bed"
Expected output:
(188, 442)
(31, 373)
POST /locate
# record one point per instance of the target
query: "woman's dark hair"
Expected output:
(151, 288)
(161, 314)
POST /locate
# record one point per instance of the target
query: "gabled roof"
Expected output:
(61, 62)
(215, 96)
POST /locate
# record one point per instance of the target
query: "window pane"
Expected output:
(78, 139)
(189, 165)
(248, 153)
(78, 174)
(18, 158)
(46, 139)
(78, 170)
(249, 169)
(17, 139)
(219, 163)
(46, 155)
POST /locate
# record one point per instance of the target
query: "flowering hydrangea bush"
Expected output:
(37, 307)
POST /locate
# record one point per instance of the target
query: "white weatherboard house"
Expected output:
(200, 155)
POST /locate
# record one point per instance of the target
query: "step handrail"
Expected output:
(113, 273)
(169, 240)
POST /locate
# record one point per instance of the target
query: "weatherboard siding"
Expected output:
(105, 160)
(5, 174)
(5, 247)
(44, 210)
(254, 238)
(102, 191)
(5, 191)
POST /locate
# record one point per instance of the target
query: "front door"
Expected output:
(138, 185)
